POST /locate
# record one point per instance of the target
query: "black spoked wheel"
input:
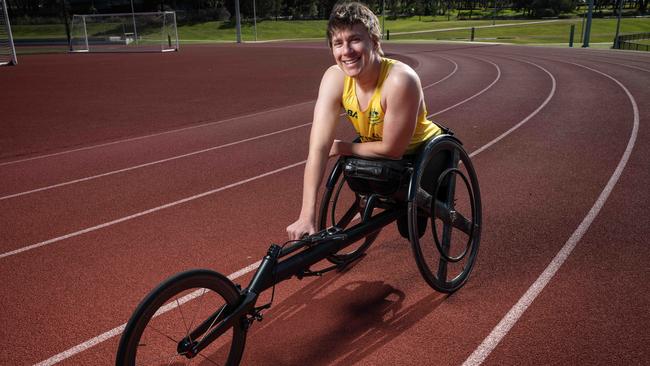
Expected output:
(451, 208)
(180, 311)
(342, 207)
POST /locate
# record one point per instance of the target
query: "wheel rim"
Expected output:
(441, 267)
(167, 317)
(440, 246)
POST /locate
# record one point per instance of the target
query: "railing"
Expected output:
(625, 42)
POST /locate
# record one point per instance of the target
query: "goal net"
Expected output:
(7, 50)
(125, 32)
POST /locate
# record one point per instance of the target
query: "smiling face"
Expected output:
(354, 50)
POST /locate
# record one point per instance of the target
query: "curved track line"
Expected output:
(153, 135)
(475, 95)
(118, 330)
(446, 77)
(509, 320)
(630, 66)
(85, 179)
(546, 101)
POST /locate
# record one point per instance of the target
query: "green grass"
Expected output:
(266, 30)
(602, 30)
(555, 32)
(38, 31)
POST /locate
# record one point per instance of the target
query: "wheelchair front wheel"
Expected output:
(446, 252)
(173, 312)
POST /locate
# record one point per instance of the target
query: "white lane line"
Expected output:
(150, 163)
(500, 330)
(475, 95)
(446, 77)
(546, 101)
(154, 134)
(120, 329)
(155, 209)
(634, 67)
(85, 179)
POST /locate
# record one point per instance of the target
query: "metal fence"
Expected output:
(626, 42)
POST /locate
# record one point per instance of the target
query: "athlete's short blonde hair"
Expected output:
(347, 14)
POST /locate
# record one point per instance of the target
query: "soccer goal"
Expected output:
(125, 32)
(7, 49)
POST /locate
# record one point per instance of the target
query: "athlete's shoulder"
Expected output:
(334, 71)
(331, 85)
(402, 75)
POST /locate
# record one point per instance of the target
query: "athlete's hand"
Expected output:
(300, 228)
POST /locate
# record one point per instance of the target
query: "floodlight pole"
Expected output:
(237, 21)
(590, 11)
(135, 30)
(494, 16)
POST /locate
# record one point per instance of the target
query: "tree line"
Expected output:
(30, 11)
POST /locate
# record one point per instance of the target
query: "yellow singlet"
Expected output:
(369, 123)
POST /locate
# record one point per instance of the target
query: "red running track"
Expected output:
(117, 171)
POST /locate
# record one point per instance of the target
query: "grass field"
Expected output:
(603, 30)
(407, 29)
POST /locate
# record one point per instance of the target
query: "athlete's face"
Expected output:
(353, 49)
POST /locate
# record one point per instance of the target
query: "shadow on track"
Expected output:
(334, 322)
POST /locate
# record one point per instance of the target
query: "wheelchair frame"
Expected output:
(295, 259)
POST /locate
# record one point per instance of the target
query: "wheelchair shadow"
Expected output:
(333, 322)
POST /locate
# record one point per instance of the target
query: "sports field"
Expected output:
(119, 170)
(555, 31)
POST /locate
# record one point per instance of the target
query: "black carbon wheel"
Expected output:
(446, 253)
(154, 334)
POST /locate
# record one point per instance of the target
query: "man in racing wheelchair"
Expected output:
(382, 98)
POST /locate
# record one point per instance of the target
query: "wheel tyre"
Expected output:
(434, 276)
(213, 281)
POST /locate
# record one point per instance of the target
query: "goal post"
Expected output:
(7, 49)
(124, 32)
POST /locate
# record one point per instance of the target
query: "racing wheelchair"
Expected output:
(202, 316)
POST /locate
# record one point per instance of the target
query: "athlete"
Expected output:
(383, 99)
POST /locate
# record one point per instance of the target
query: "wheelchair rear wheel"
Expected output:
(446, 252)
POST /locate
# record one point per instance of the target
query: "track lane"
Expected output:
(581, 289)
(173, 91)
(23, 176)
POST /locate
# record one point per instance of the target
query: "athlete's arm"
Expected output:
(326, 115)
(403, 93)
